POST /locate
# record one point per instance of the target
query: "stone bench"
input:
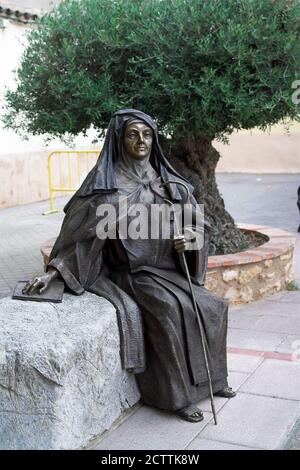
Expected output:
(61, 381)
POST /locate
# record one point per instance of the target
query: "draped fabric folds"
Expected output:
(143, 278)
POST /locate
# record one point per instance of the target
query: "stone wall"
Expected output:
(252, 274)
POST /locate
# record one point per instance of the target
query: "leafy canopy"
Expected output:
(201, 68)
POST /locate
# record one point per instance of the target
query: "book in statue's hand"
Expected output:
(53, 293)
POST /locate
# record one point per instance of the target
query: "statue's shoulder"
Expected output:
(84, 203)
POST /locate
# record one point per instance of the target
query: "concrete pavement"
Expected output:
(22, 231)
(264, 367)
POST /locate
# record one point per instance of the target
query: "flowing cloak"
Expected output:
(144, 280)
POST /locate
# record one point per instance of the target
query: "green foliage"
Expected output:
(201, 68)
(292, 285)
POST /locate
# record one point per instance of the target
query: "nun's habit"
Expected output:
(160, 340)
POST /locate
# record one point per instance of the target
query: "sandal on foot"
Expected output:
(225, 392)
(190, 413)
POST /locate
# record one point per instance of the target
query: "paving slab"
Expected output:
(254, 421)
(248, 339)
(265, 308)
(277, 324)
(235, 380)
(286, 297)
(291, 344)
(205, 404)
(293, 441)
(150, 429)
(243, 320)
(206, 444)
(243, 363)
(275, 378)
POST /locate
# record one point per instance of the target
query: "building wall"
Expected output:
(258, 152)
(24, 176)
(31, 6)
(23, 163)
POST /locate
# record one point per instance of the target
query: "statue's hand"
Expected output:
(181, 244)
(40, 282)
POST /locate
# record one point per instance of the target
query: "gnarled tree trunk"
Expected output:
(196, 160)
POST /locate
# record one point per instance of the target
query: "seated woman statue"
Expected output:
(143, 276)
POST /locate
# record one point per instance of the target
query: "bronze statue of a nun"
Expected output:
(143, 277)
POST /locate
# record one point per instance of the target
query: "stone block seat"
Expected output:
(61, 381)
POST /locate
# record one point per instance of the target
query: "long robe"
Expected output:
(160, 340)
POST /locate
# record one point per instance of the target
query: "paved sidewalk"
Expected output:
(23, 229)
(263, 337)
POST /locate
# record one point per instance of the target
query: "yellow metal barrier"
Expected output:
(72, 166)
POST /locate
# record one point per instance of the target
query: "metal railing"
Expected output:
(66, 171)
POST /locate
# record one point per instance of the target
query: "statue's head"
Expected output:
(135, 133)
(138, 139)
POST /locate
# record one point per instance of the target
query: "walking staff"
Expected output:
(201, 330)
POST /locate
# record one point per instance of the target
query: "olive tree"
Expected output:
(202, 69)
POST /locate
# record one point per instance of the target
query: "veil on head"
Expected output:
(102, 176)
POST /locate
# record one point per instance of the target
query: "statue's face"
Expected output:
(138, 140)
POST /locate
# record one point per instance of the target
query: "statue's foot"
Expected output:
(190, 413)
(225, 392)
